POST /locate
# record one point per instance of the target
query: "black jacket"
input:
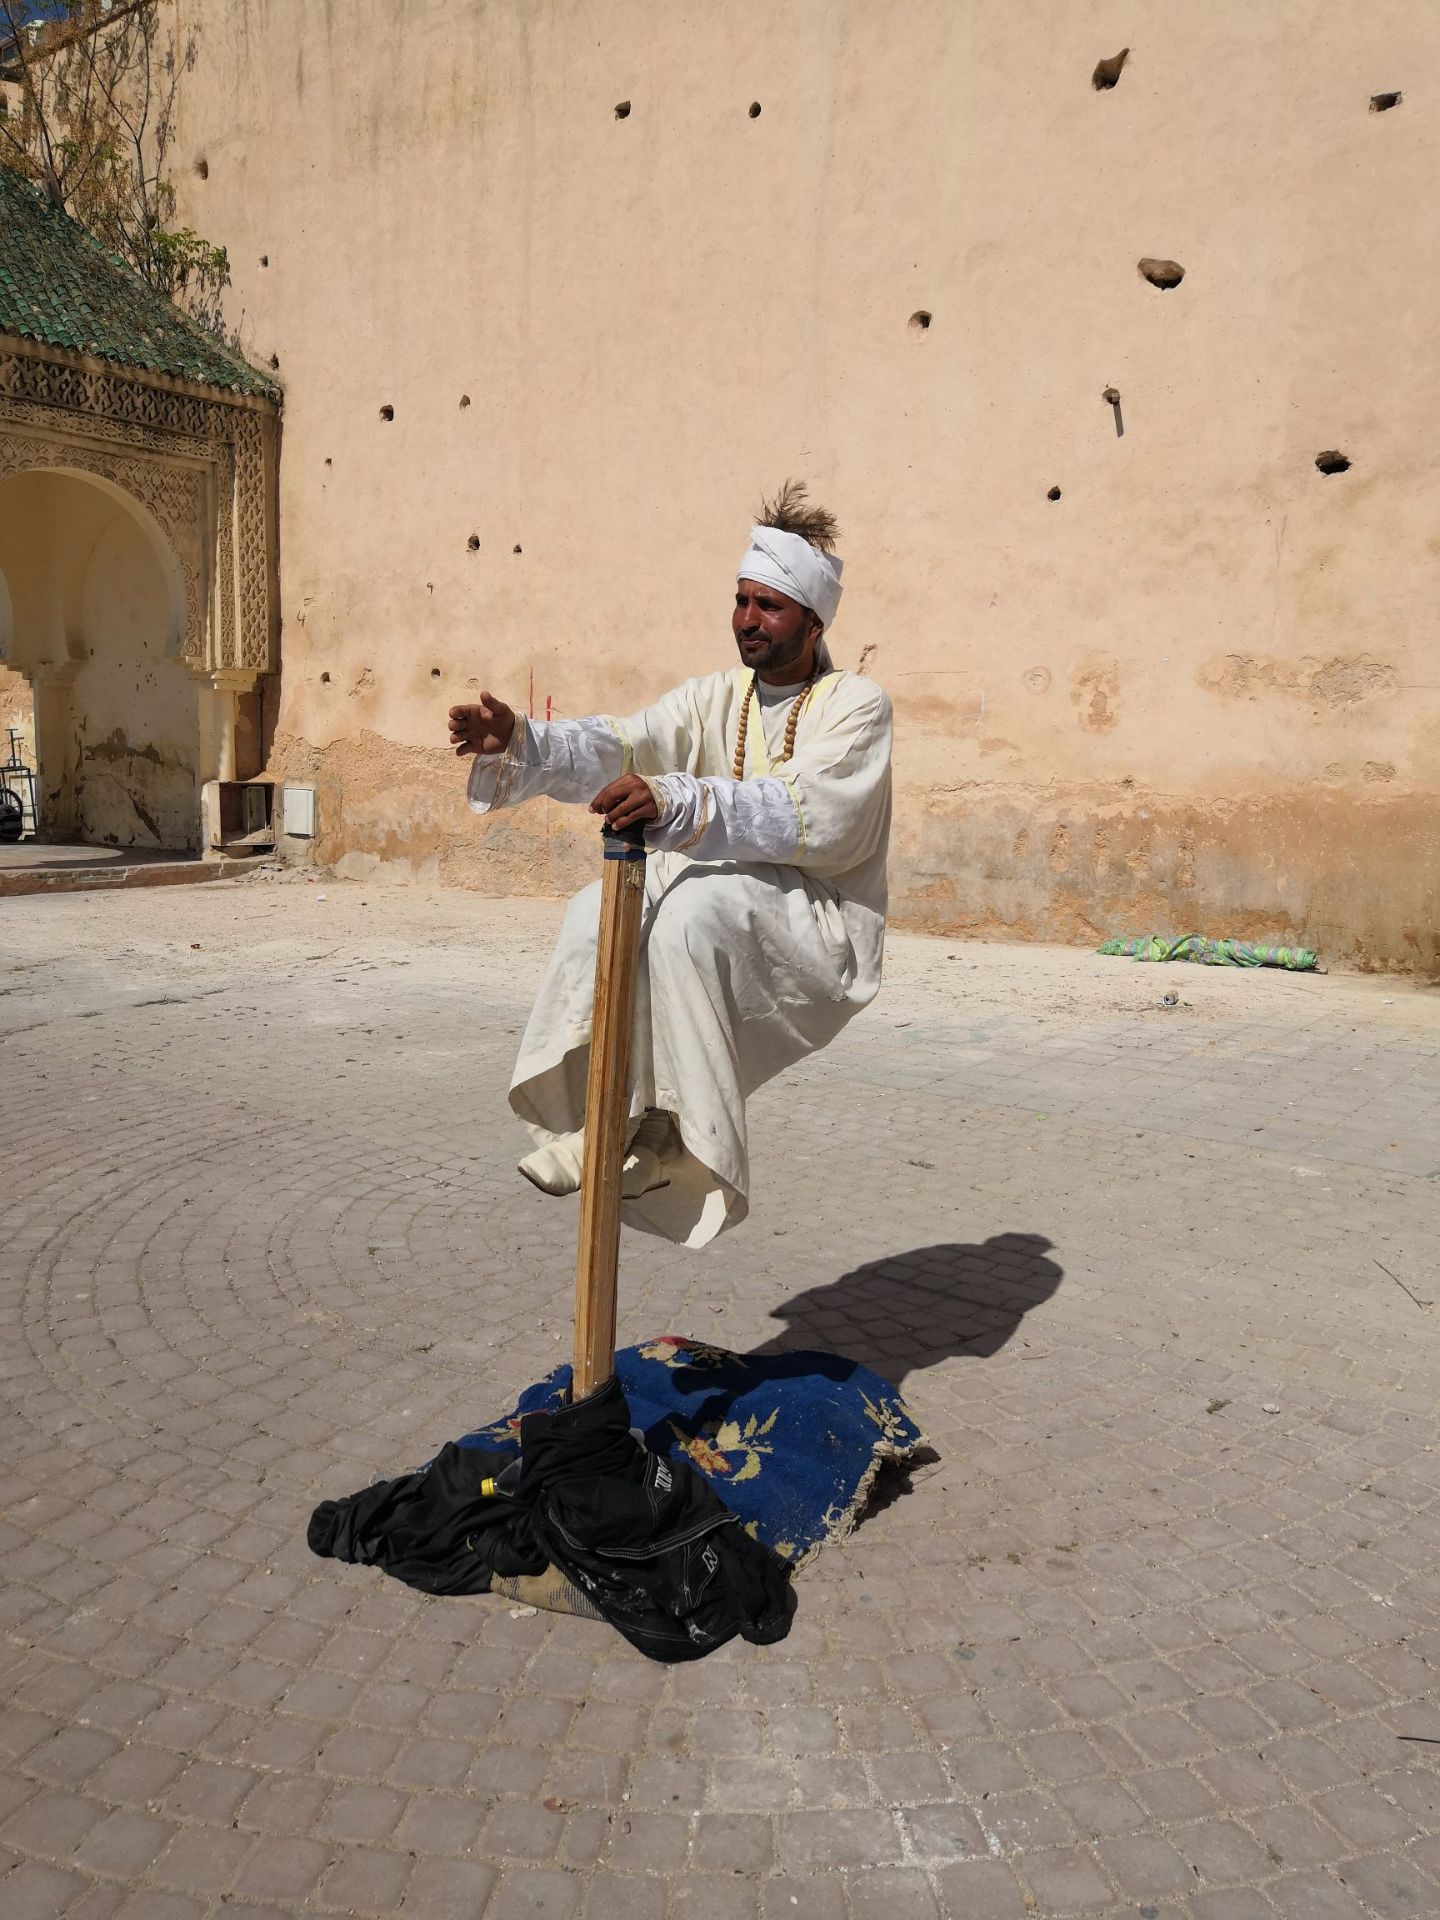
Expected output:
(646, 1539)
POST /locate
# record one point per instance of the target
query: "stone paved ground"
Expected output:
(1156, 1635)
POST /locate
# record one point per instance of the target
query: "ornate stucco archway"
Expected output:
(99, 613)
(174, 542)
(194, 470)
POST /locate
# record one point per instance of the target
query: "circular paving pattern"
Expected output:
(1129, 1644)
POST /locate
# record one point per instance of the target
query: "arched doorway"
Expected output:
(97, 616)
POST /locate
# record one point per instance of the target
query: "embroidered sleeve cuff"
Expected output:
(664, 805)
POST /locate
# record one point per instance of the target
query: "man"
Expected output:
(765, 797)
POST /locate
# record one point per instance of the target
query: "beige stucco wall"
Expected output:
(1196, 691)
(135, 704)
(93, 619)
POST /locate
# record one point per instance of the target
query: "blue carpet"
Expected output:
(789, 1441)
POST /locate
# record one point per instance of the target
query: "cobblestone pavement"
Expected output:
(1156, 1634)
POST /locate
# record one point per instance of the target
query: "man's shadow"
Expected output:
(913, 1310)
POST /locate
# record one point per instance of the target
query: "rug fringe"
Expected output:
(885, 1454)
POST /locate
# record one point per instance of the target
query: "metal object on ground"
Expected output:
(19, 806)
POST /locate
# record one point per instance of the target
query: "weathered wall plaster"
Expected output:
(92, 610)
(1153, 668)
(134, 704)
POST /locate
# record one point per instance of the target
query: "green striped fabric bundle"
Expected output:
(1211, 953)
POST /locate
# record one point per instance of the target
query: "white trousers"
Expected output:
(743, 969)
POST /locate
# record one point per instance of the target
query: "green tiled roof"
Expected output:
(58, 285)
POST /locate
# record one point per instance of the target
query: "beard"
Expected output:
(774, 657)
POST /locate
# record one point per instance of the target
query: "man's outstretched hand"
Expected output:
(483, 729)
(626, 802)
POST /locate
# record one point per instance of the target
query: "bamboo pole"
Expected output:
(607, 1108)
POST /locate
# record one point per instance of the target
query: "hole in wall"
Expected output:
(1332, 462)
(275, 362)
(434, 673)
(1162, 273)
(387, 412)
(920, 321)
(1383, 102)
(202, 167)
(754, 109)
(328, 461)
(264, 259)
(1108, 71)
(464, 400)
(1053, 494)
(514, 549)
(473, 543)
(622, 110)
(324, 679)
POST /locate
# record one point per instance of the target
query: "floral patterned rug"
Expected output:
(790, 1441)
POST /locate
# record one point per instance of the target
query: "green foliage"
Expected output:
(192, 273)
(87, 112)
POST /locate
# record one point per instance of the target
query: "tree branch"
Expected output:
(99, 91)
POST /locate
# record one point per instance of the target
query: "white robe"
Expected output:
(765, 914)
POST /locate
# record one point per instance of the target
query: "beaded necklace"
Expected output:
(793, 721)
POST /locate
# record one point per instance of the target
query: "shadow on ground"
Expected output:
(913, 1310)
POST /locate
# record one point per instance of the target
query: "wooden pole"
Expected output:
(607, 1107)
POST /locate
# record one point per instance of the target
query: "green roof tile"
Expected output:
(59, 285)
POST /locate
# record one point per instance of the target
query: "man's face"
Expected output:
(775, 634)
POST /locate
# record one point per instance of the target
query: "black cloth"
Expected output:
(646, 1539)
(433, 1529)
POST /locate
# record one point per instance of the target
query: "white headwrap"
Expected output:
(792, 566)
